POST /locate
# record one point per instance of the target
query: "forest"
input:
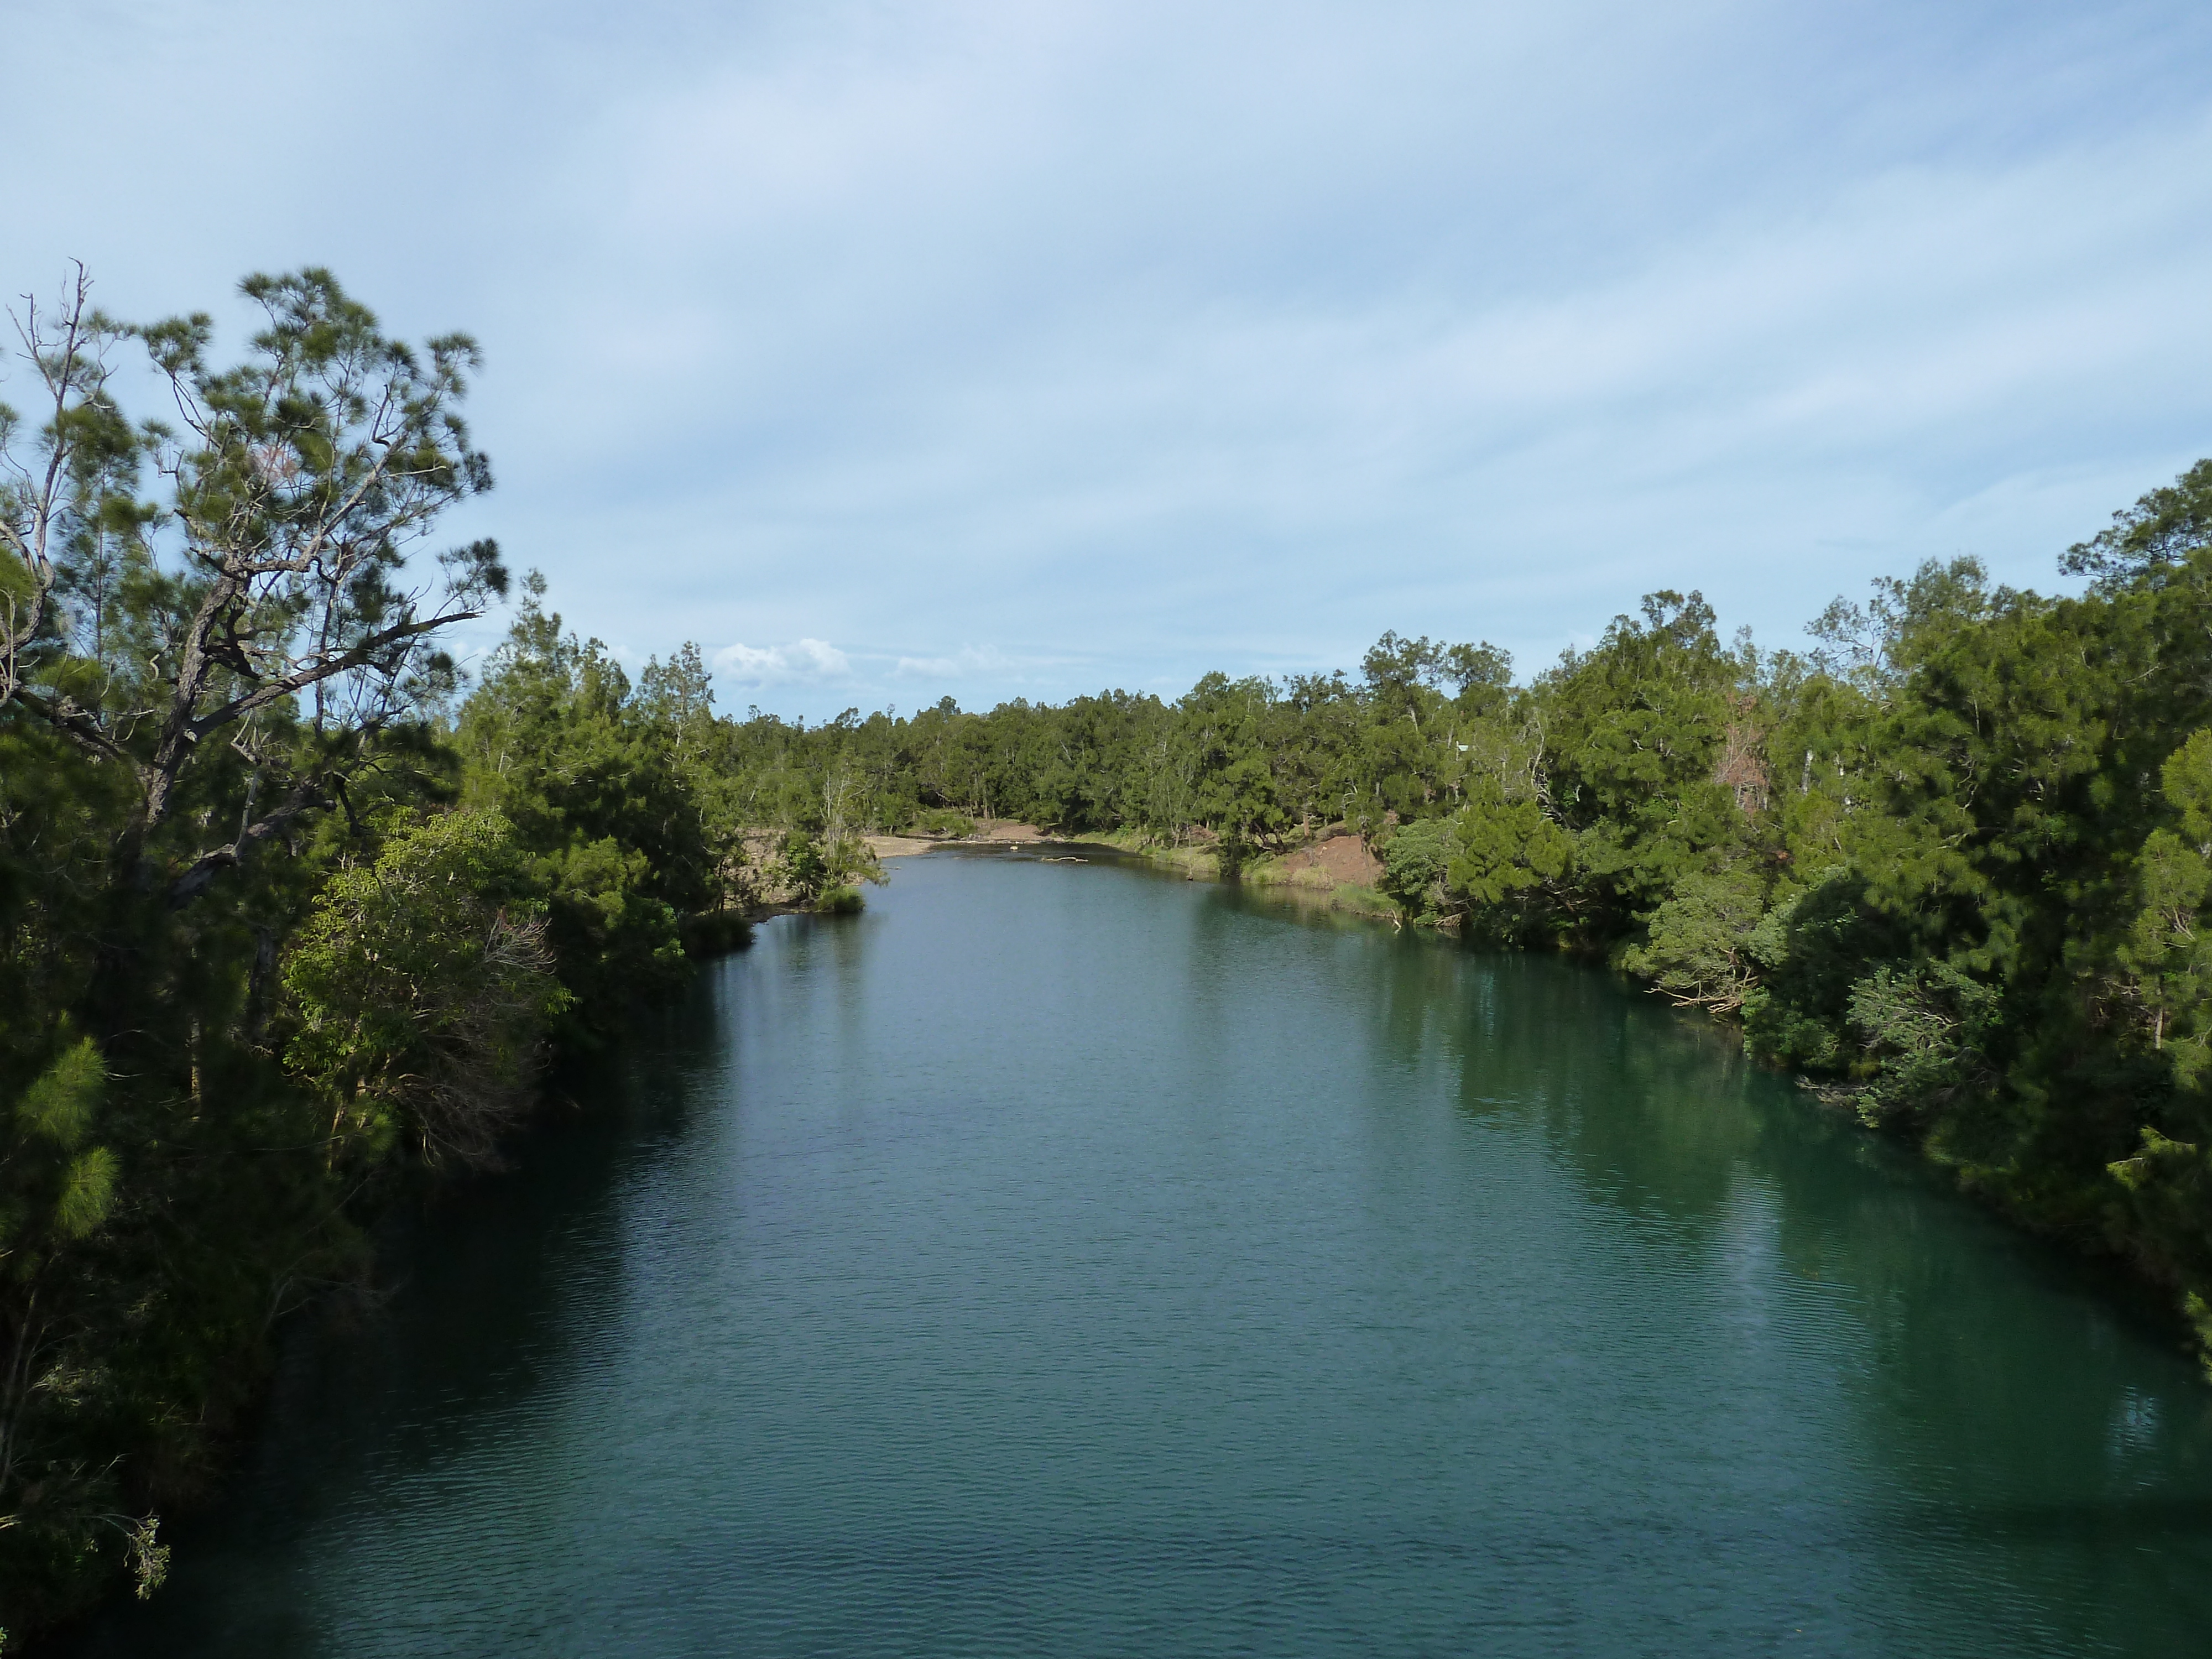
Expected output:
(300, 917)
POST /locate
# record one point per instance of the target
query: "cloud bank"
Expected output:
(803, 662)
(1145, 339)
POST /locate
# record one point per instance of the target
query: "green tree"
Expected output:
(1698, 943)
(420, 991)
(600, 797)
(284, 626)
(217, 667)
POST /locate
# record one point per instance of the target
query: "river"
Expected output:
(1063, 1260)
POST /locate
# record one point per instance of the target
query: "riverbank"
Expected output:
(1199, 863)
(1334, 870)
(1196, 862)
(986, 832)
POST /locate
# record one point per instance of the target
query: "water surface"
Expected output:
(1060, 1260)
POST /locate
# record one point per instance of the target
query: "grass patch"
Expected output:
(940, 821)
(1202, 863)
(1363, 902)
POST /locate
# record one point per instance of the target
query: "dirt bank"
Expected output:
(1338, 871)
(1341, 860)
(996, 831)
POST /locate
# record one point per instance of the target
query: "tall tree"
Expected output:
(282, 628)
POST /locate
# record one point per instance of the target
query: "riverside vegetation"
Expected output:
(295, 918)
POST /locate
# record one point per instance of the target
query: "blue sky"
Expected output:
(895, 351)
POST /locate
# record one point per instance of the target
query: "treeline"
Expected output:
(1952, 863)
(296, 917)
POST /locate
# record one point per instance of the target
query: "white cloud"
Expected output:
(1144, 339)
(802, 662)
(966, 662)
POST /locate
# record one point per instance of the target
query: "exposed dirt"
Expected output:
(1000, 831)
(1341, 861)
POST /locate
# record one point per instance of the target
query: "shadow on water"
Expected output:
(2037, 1403)
(492, 1291)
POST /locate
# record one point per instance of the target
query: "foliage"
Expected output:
(610, 795)
(290, 922)
(1505, 853)
(804, 867)
(258, 974)
(1415, 861)
(1697, 946)
(268, 569)
(421, 986)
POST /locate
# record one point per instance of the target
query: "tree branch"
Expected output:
(74, 724)
(307, 795)
(356, 656)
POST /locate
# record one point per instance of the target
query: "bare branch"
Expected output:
(306, 796)
(294, 486)
(359, 655)
(62, 367)
(75, 724)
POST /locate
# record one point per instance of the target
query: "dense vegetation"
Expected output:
(1953, 863)
(288, 925)
(294, 918)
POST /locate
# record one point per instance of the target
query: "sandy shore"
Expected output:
(996, 832)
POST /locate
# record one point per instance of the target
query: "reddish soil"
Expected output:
(1338, 861)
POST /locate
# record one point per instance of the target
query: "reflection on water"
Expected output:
(1061, 1260)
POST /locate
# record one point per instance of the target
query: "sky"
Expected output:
(899, 351)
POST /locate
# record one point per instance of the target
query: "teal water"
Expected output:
(1060, 1260)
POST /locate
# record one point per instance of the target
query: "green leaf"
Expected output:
(87, 1192)
(58, 1107)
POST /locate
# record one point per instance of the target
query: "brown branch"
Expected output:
(306, 796)
(356, 656)
(74, 724)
